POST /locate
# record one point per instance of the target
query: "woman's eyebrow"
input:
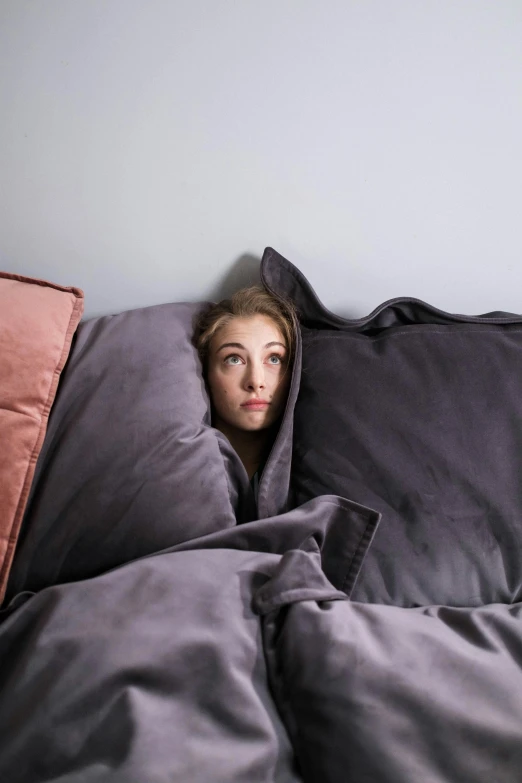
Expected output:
(230, 345)
(239, 345)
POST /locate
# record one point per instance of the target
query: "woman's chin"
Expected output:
(254, 426)
(253, 421)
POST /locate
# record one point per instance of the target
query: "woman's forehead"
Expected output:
(250, 331)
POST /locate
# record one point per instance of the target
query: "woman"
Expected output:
(246, 345)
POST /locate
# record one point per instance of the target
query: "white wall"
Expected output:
(150, 149)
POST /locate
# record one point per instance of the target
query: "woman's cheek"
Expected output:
(224, 389)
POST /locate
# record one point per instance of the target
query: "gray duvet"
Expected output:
(388, 694)
(216, 664)
(363, 625)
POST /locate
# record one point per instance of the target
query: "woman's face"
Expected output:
(248, 373)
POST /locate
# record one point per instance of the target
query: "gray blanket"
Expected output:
(215, 664)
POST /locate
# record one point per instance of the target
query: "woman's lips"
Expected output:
(255, 405)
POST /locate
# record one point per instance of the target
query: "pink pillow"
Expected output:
(37, 323)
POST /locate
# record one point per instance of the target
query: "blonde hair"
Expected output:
(246, 303)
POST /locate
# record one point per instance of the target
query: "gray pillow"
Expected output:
(130, 464)
(417, 414)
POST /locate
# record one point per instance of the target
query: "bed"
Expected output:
(361, 623)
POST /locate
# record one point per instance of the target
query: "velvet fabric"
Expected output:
(362, 624)
(131, 464)
(37, 323)
(153, 672)
(156, 670)
(417, 414)
(385, 694)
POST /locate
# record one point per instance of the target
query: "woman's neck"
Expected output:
(251, 446)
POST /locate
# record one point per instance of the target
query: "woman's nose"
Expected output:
(255, 377)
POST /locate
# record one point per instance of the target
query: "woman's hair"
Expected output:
(245, 303)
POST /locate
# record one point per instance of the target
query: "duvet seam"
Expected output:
(356, 561)
(302, 281)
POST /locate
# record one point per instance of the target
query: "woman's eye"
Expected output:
(275, 359)
(232, 359)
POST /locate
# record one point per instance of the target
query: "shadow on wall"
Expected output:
(244, 272)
